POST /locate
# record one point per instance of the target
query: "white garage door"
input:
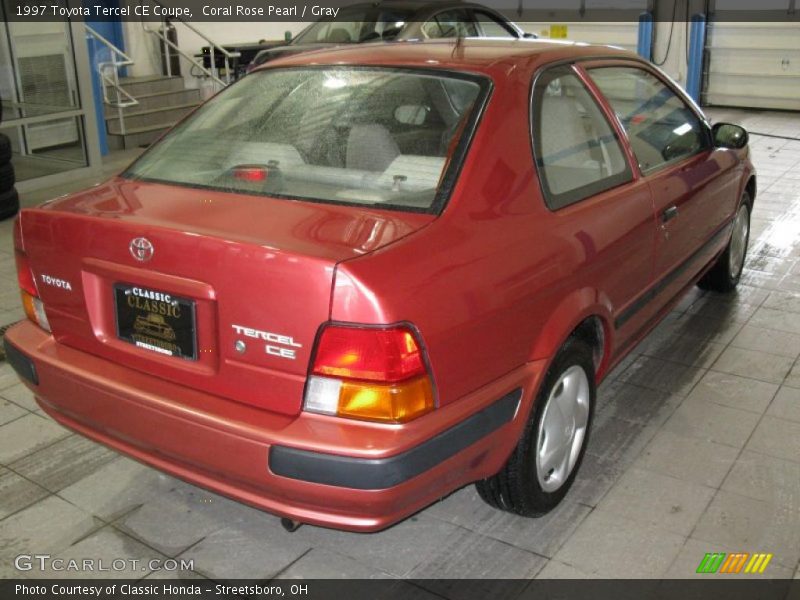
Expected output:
(623, 35)
(754, 65)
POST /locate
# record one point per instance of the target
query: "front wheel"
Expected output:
(726, 272)
(543, 466)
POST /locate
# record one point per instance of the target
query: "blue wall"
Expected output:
(112, 31)
(644, 45)
(694, 72)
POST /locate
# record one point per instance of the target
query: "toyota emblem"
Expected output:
(141, 249)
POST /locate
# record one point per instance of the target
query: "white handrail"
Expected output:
(108, 44)
(114, 82)
(113, 65)
(161, 33)
(222, 49)
(213, 49)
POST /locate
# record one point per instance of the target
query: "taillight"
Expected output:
(252, 173)
(34, 309)
(25, 274)
(377, 374)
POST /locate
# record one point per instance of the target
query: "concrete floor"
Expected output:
(695, 449)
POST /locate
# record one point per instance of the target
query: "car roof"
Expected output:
(470, 54)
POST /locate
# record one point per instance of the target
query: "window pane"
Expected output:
(660, 126)
(376, 136)
(357, 24)
(491, 28)
(38, 83)
(577, 151)
(46, 147)
(450, 24)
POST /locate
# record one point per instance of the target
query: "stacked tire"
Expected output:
(9, 200)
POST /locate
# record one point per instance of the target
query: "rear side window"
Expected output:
(578, 153)
(387, 137)
(660, 126)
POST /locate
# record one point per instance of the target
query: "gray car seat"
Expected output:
(370, 148)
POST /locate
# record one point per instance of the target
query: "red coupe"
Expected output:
(380, 274)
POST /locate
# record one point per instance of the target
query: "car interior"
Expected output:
(661, 128)
(576, 146)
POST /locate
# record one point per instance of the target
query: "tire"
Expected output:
(727, 270)
(6, 177)
(5, 149)
(9, 203)
(526, 485)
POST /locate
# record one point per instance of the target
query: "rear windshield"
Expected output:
(374, 136)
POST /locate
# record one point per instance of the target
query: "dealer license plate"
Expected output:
(156, 320)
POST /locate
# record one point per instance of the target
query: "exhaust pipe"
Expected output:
(289, 525)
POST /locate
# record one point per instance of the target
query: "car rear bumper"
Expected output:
(311, 468)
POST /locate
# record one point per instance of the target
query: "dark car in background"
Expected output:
(396, 21)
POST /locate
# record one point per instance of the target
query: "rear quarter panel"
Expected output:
(497, 280)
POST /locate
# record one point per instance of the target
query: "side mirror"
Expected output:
(287, 35)
(728, 135)
(411, 114)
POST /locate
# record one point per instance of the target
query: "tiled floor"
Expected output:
(695, 448)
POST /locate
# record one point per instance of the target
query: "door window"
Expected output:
(578, 153)
(661, 128)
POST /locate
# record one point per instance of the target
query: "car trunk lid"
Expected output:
(249, 276)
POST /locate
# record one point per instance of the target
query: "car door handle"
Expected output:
(669, 213)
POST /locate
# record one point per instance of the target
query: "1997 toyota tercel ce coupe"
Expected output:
(357, 280)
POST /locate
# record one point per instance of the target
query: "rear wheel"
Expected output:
(726, 272)
(544, 464)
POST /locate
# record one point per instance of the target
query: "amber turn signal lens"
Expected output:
(369, 373)
(386, 402)
(34, 310)
(28, 307)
